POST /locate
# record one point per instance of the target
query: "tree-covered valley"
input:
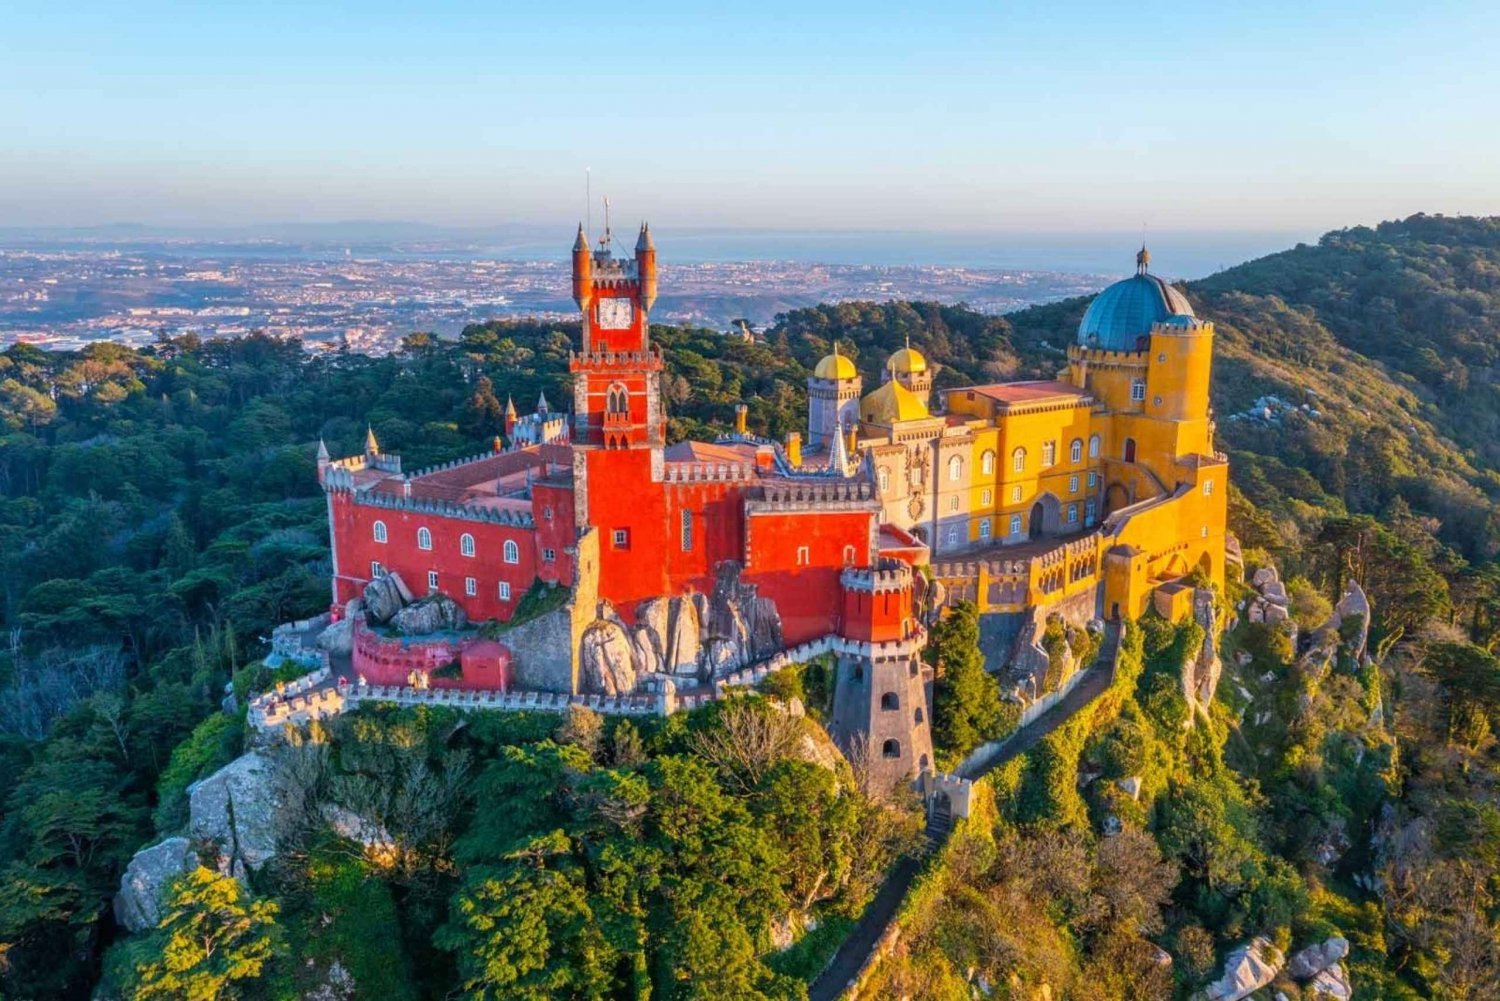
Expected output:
(160, 514)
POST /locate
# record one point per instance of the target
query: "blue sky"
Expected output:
(1022, 117)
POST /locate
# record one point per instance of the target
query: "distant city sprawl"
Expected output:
(65, 298)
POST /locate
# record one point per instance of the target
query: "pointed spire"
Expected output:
(643, 242)
(582, 243)
(322, 450)
(510, 406)
(372, 447)
(1142, 260)
(840, 461)
(541, 404)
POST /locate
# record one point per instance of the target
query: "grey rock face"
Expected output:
(243, 808)
(1331, 984)
(434, 613)
(337, 638)
(1246, 970)
(384, 597)
(1200, 676)
(1309, 962)
(606, 659)
(138, 904)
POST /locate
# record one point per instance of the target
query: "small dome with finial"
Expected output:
(1123, 314)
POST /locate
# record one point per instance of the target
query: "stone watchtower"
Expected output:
(880, 690)
(832, 399)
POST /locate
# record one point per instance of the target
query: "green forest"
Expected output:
(159, 515)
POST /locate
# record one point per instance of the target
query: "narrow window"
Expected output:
(955, 468)
(424, 539)
(1208, 488)
(885, 480)
(848, 556)
(987, 497)
(891, 749)
(984, 528)
(376, 569)
(687, 531)
(1093, 479)
(890, 702)
(987, 463)
(953, 503)
(432, 580)
(512, 551)
(1072, 514)
(379, 531)
(917, 716)
(1075, 451)
(621, 538)
(804, 556)
(1049, 454)
(1138, 390)
(466, 544)
(1073, 484)
(1015, 495)
(1093, 446)
(505, 590)
(1089, 513)
(549, 555)
(1018, 460)
(1015, 524)
(952, 536)
(471, 586)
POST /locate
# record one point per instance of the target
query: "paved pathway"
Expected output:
(851, 956)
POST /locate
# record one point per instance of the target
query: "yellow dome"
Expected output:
(907, 361)
(892, 403)
(835, 366)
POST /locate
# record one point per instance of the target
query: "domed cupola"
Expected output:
(1121, 317)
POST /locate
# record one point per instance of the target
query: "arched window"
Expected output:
(917, 716)
(1075, 451)
(885, 480)
(1129, 450)
(1015, 524)
(987, 462)
(890, 702)
(955, 468)
(424, 539)
(512, 551)
(1049, 454)
(466, 544)
(953, 503)
(1093, 446)
(1018, 460)
(848, 556)
(379, 531)
(891, 749)
(617, 399)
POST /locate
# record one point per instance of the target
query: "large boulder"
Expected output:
(435, 613)
(142, 887)
(1331, 984)
(244, 809)
(338, 638)
(1200, 675)
(684, 644)
(384, 597)
(606, 659)
(1246, 970)
(1309, 962)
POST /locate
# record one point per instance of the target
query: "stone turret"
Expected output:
(645, 266)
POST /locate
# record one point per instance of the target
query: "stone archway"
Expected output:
(1116, 497)
(1206, 564)
(1046, 517)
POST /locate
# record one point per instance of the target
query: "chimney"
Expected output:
(741, 419)
(794, 449)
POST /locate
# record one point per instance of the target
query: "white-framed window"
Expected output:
(1072, 514)
(549, 555)
(424, 539)
(1049, 454)
(1015, 524)
(952, 536)
(953, 503)
(471, 586)
(621, 538)
(687, 531)
(848, 556)
(1015, 495)
(1018, 460)
(1090, 512)
(466, 544)
(955, 468)
(1075, 450)
(804, 556)
(432, 580)
(1137, 390)
(1203, 533)
(505, 590)
(987, 462)
(987, 497)
(984, 528)
(1073, 484)
(1208, 488)
(1093, 479)
(379, 529)
(376, 570)
(512, 552)
(885, 480)
(1093, 446)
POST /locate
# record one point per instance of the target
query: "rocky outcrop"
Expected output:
(1309, 962)
(339, 637)
(384, 597)
(606, 658)
(1200, 675)
(1341, 641)
(1270, 604)
(243, 809)
(1246, 970)
(433, 614)
(1331, 984)
(142, 887)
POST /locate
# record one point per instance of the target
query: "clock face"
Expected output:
(614, 314)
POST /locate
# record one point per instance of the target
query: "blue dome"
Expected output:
(1124, 313)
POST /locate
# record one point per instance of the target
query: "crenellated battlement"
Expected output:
(707, 472)
(647, 361)
(813, 494)
(890, 575)
(445, 509)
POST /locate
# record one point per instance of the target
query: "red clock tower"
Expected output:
(616, 401)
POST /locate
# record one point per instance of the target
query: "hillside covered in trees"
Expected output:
(159, 514)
